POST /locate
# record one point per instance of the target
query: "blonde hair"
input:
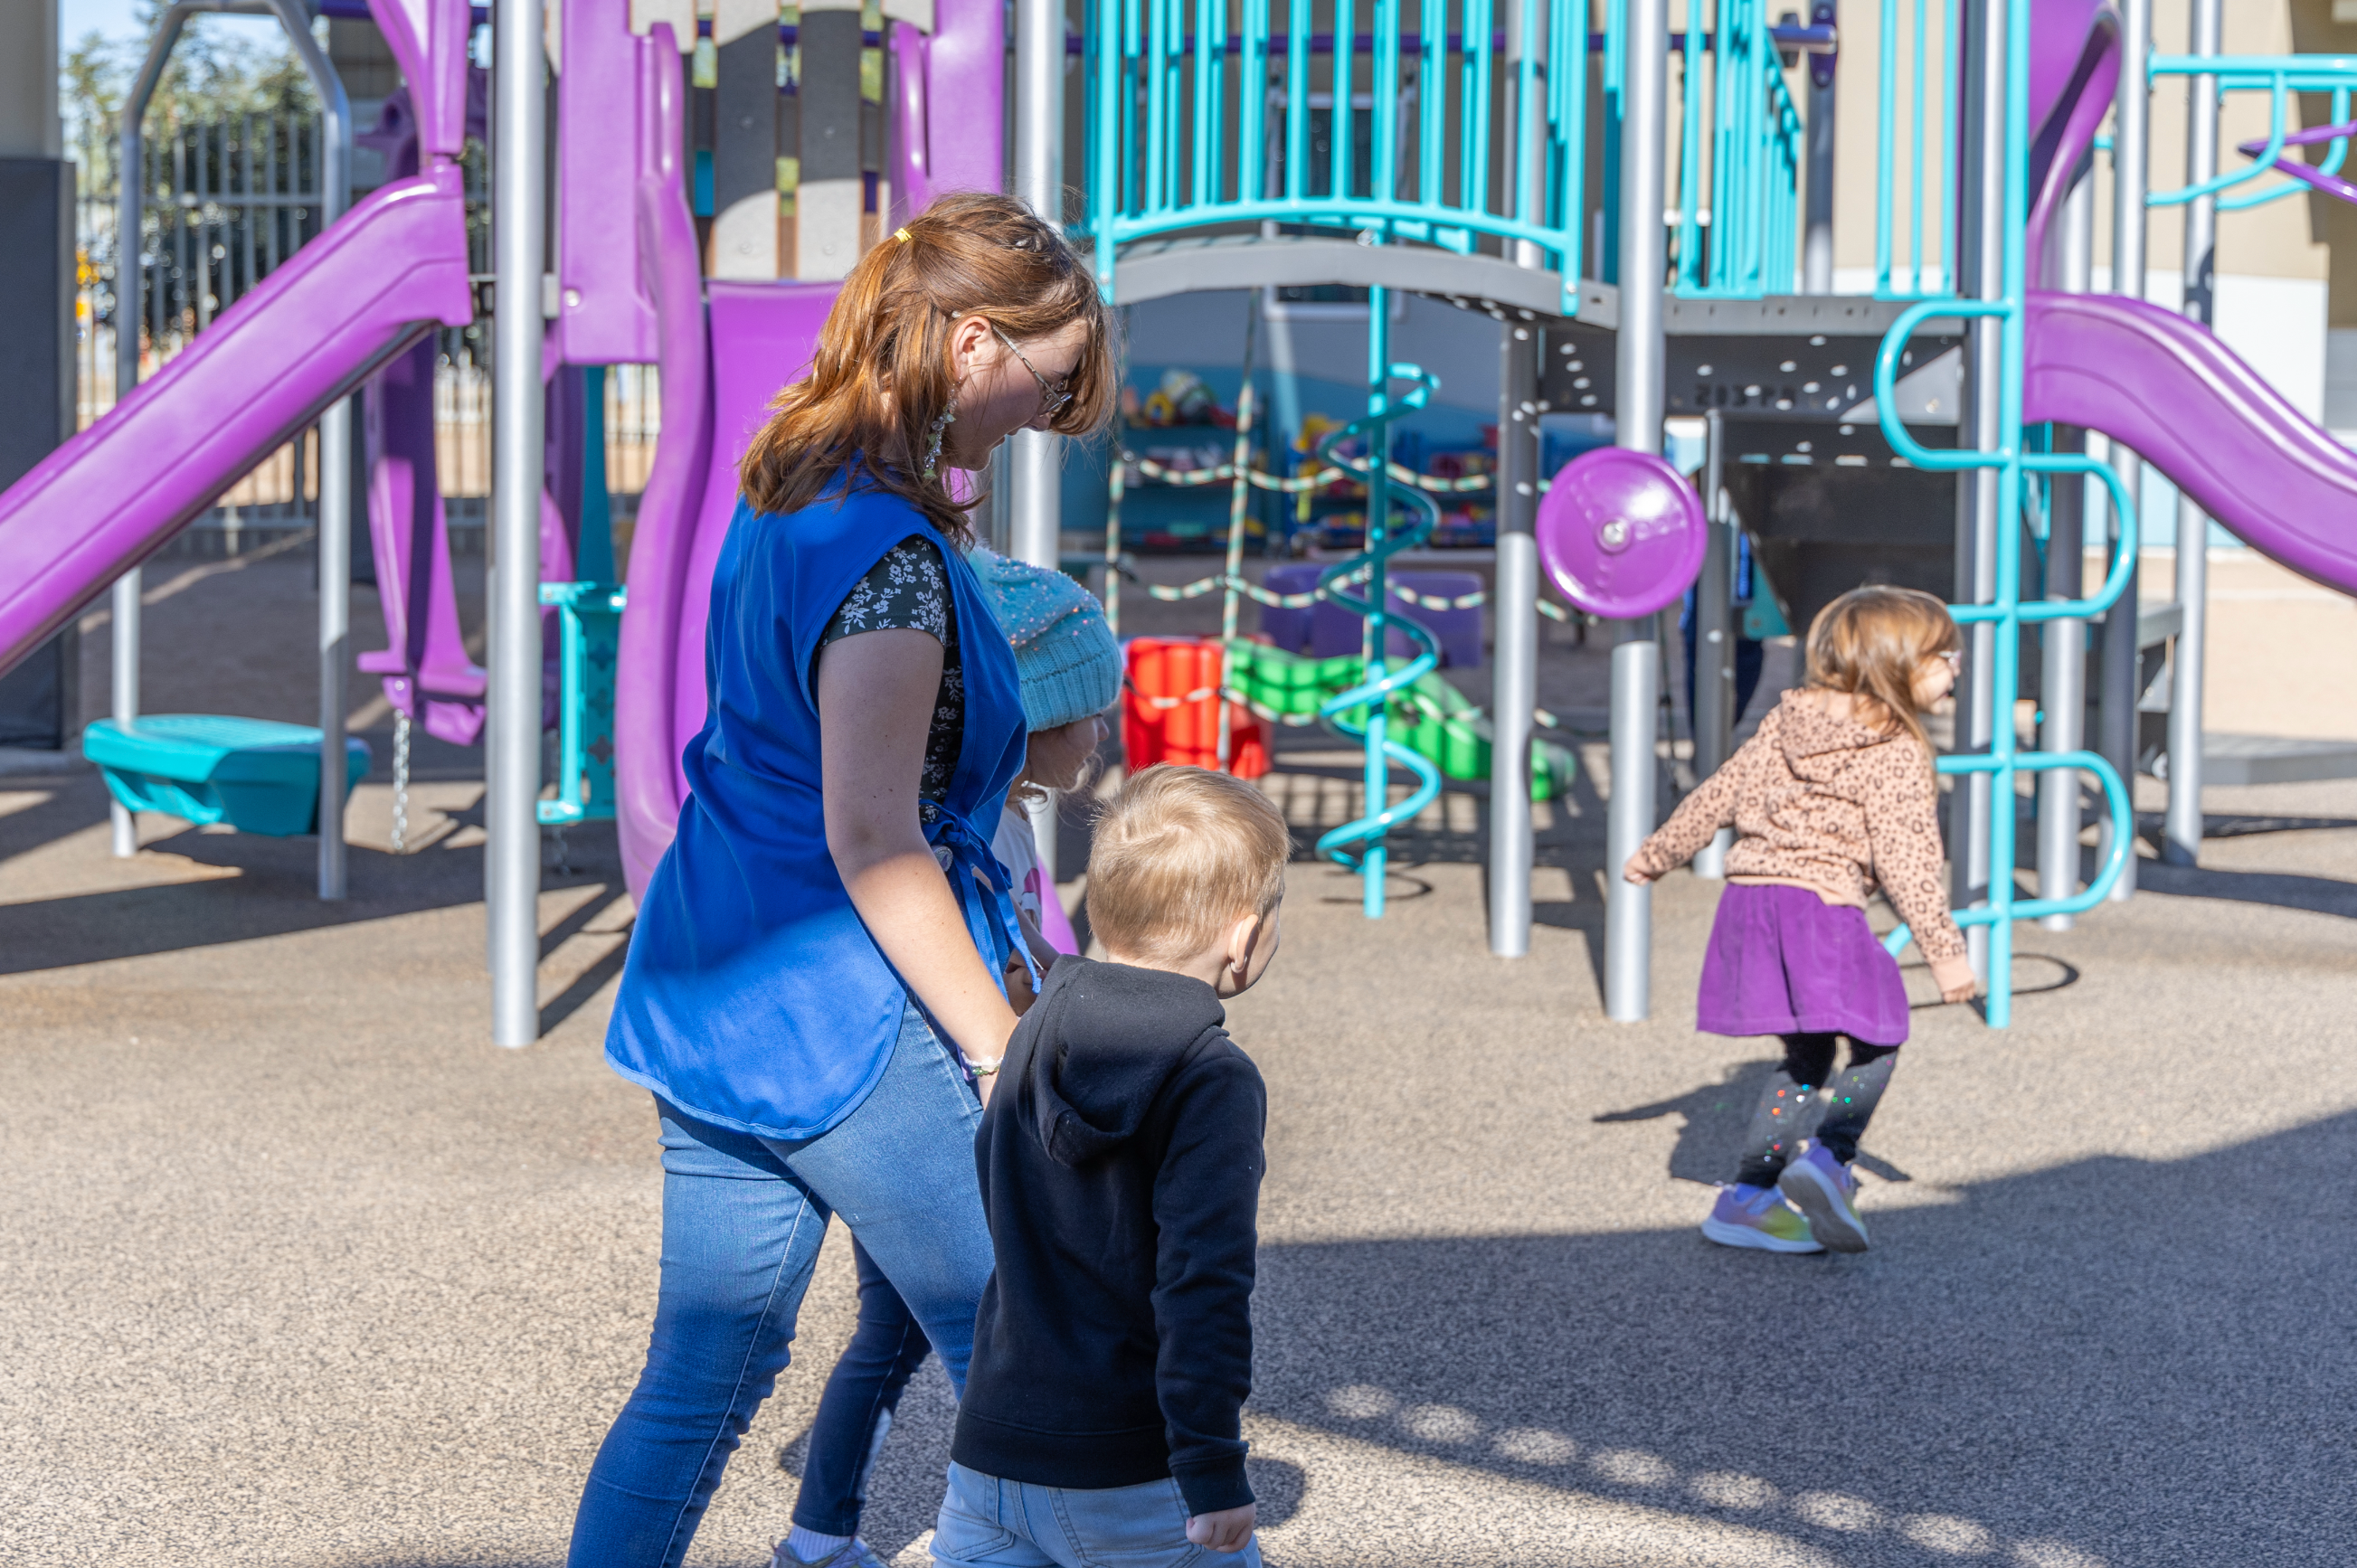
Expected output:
(1870, 642)
(1180, 854)
(882, 373)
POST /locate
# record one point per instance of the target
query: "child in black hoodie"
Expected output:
(1121, 1164)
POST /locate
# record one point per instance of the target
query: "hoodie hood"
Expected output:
(1817, 745)
(1105, 1038)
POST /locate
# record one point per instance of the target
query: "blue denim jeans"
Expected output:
(989, 1523)
(855, 1413)
(743, 1218)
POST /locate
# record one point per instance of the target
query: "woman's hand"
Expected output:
(876, 697)
(1637, 876)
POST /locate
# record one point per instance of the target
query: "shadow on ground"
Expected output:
(2060, 1366)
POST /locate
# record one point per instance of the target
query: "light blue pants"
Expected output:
(989, 1523)
(743, 1218)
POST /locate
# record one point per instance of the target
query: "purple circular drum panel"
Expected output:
(1621, 532)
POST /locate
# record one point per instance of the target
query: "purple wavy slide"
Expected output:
(2170, 388)
(379, 278)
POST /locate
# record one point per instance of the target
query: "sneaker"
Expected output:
(1821, 1188)
(1756, 1216)
(853, 1553)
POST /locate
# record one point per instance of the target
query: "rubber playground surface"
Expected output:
(300, 1271)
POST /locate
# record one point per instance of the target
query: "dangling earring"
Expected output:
(933, 449)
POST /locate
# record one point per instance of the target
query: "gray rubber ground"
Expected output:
(296, 1269)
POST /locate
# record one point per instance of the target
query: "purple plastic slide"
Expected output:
(2165, 385)
(2167, 388)
(345, 304)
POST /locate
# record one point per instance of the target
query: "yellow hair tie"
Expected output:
(902, 235)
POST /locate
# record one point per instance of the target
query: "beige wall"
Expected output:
(2283, 651)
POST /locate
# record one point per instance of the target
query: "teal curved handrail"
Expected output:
(1350, 845)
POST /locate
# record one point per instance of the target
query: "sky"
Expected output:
(120, 19)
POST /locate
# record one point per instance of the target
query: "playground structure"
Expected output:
(1504, 154)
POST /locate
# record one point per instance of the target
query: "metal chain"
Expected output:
(400, 782)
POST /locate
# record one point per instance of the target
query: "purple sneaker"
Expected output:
(1756, 1216)
(1821, 1188)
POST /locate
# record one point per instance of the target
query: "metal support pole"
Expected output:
(1035, 458)
(2131, 143)
(2181, 834)
(1715, 634)
(2062, 691)
(1513, 692)
(1514, 672)
(1817, 238)
(1637, 424)
(1375, 863)
(335, 531)
(130, 310)
(1981, 264)
(511, 860)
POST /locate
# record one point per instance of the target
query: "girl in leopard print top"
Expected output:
(1833, 797)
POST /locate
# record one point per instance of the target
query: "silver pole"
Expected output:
(335, 537)
(513, 851)
(1514, 675)
(1033, 468)
(1637, 659)
(2062, 688)
(2181, 834)
(1817, 238)
(1035, 458)
(1514, 690)
(2132, 110)
(130, 312)
(1714, 631)
(1981, 259)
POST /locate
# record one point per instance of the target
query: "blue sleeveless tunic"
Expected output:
(753, 996)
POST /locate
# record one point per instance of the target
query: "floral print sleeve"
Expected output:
(908, 590)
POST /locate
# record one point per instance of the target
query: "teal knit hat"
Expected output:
(1063, 649)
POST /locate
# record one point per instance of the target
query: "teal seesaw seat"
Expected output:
(256, 775)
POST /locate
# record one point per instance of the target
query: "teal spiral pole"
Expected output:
(1358, 845)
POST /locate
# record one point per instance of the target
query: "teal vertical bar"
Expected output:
(1567, 86)
(1431, 101)
(1917, 168)
(593, 558)
(1383, 82)
(1134, 196)
(2009, 487)
(1157, 108)
(1213, 135)
(1300, 16)
(1523, 141)
(1946, 157)
(1203, 122)
(1886, 134)
(1615, 72)
(1342, 130)
(1252, 105)
(1376, 863)
(1473, 98)
(1690, 138)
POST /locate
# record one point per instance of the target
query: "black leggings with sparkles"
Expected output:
(1843, 1108)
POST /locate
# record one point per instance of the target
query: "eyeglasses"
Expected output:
(1052, 395)
(1955, 658)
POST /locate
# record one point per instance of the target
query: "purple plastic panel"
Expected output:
(428, 40)
(311, 331)
(965, 96)
(763, 335)
(426, 672)
(2170, 388)
(911, 176)
(646, 770)
(605, 147)
(2074, 68)
(1621, 532)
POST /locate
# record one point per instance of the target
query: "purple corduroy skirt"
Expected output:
(1784, 962)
